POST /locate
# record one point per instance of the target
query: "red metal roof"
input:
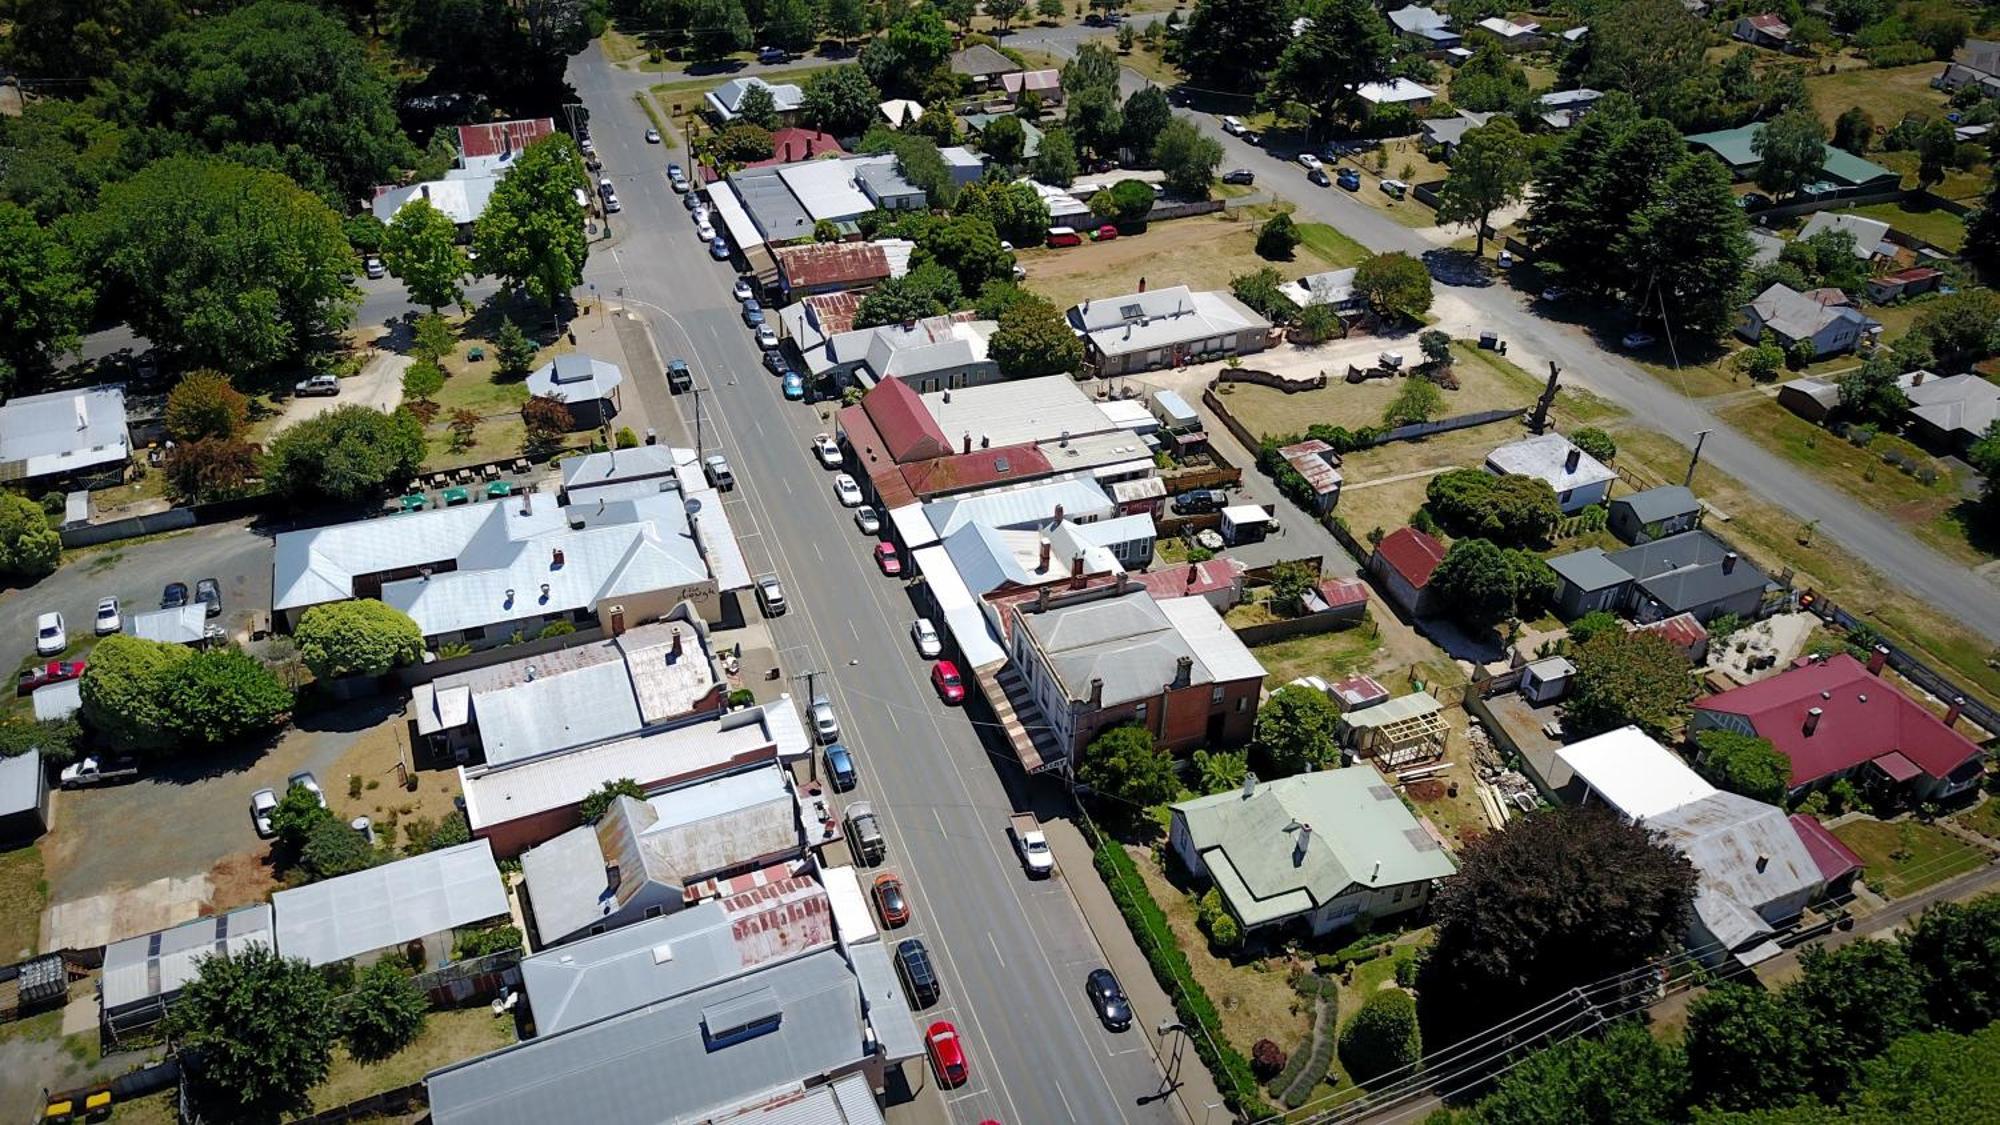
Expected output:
(1681, 630)
(835, 311)
(792, 144)
(872, 457)
(832, 263)
(1340, 592)
(1914, 273)
(1310, 460)
(1412, 554)
(1192, 580)
(977, 469)
(907, 430)
(1833, 858)
(1358, 691)
(496, 137)
(1862, 718)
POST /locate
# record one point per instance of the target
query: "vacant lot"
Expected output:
(1385, 485)
(1933, 224)
(1342, 652)
(1887, 95)
(1401, 160)
(1907, 856)
(1482, 386)
(687, 93)
(1201, 253)
(23, 894)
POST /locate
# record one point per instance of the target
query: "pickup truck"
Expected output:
(864, 833)
(99, 771)
(1032, 845)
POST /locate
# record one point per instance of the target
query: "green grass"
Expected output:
(1886, 94)
(687, 92)
(1934, 225)
(1985, 819)
(1332, 245)
(652, 112)
(1907, 856)
(1331, 655)
(24, 894)
(447, 1038)
(1964, 187)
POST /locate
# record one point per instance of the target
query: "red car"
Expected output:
(54, 672)
(944, 677)
(947, 1056)
(887, 558)
(890, 901)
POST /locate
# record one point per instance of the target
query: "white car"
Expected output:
(652, 136)
(306, 781)
(108, 618)
(767, 337)
(263, 803)
(867, 521)
(700, 215)
(1308, 160)
(827, 449)
(925, 635)
(743, 291)
(826, 728)
(52, 636)
(1233, 126)
(704, 231)
(846, 491)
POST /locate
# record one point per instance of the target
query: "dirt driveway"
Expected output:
(379, 385)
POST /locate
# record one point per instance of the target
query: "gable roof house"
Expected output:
(144, 975)
(1426, 27)
(1736, 148)
(1561, 109)
(1977, 63)
(80, 434)
(1791, 317)
(1509, 33)
(1044, 84)
(486, 153)
(1402, 562)
(726, 100)
(1396, 91)
(1692, 572)
(413, 904)
(1446, 132)
(1765, 30)
(935, 353)
(1837, 718)
(1912, 282)
(587, 386)
(1871, 236)
(1325, 850)
(834, 267)
(652, 857)
(1578, 479)
(1165, 327)
(1950, 414)
(1655, 513)
(982, 64)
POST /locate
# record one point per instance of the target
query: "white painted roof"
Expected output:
(826, 189)
(1634, 774)
(1393, 92)
(63, 431)
(1546, 456)
(386, 906)
(1213, 641)
(1017, 410)
(963, 615)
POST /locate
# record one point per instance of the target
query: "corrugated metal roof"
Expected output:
(1226, 656)
(962, 614)
(1026, 506)
(1634, 774)
(157, 964)
(20, 782)
(389, 905)
(883, 999)
(63, 431)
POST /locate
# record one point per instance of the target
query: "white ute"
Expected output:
(1032, 845)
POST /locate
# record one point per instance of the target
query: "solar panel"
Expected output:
(1382, 792)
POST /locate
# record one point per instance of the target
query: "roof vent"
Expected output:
(662, 953)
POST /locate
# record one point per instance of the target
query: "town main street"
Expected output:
(1012, 953)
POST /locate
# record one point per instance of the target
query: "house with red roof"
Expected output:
(1403, 562)
(1835, 718)
(792, 144)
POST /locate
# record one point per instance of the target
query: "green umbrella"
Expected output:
(456, 495)
(499, 488)
(414, 501)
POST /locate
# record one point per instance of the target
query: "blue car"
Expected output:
(795, 385)
(1349, 179)
(690, 201)
(840, 768)
(753, 313)
(718, 249)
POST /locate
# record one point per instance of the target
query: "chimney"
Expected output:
(545, 593)
(1951, 713)
(1042, 561)
(617, 620)
(1096, 693)
(674, 653)
(968, 441)
(611, 875)
(1076, 571)
(1878, 658)
(426, 189)
(1124, 581)
(556, 559)
(1812, 721)
(1378, 872)
(1194, 573)
(1763, 861)
(1570, 462)
(531, 674)
(527, 507)
(1249, 783)
(1042, 599)
(1057, 518)
(1142, 285)
(1304, 837)
(1729, 562)
(1183, 671)
(984, 441)
(1917, 377)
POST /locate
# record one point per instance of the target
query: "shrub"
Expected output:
(1595, 442)
(383, 1013)
(556, 629)
(626, 438)
(1277, 238)
(1216, 921)
(1382, 1038)
(360, 637)
(486, 942)
(1267, 1058)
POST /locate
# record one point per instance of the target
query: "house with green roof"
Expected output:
(1737, 150)
(1324, 849)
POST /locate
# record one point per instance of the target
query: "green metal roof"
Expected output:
(1734, 147)
(1361, 836)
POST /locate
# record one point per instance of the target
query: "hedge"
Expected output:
(1170, 967)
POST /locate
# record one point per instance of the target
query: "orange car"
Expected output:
(889, 899)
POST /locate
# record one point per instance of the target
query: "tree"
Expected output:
(1417, 400)
(1591, 624)
(1396, 286)
(1295, 731)
(839, 100)
(384, 1013)
(1744, 764)
(914, 296)
(1854, 130)
(347, 454)
(969, 247)
(204, 405)
(1005, 12)
(1055, 161)
(362, 637)
(909, 54)
(1872, 393)
(1232, 44)
(1489, 170)
(225, 264)
(742, 141)
(1556, 899)
(29, 547)
(255, 1033)
(422, 380)
(1627, 1077)
(513, 351)
(1791, 149)
(210, 469)
(1187, 156)
(1490, 81)
(1278, 238)
(1957, 945)
(1123, 763)
(277, 84)
(422, 249)
(1509, 510)
(600, 800)
(1648, 49)
(758, 107)
(1693, 243)
(1004, 141)
(1595, 442)
(1130, 201)
(1219, 771)
(1828, 258)
(1094, 120)
(1478, 581)
(1381, 1037)
(790, 23)
(1033, 339)
(1747, 1049)
(1763, 362)
(1601, 174)
(1015, 209)
(846, 20)
(1937, 144)
(1146, 114)
(531, 234)
(1982, 230)
(124, 692)
(546, 420)
(1290, 582)
(1958, 329)
(44, 300)
(715, 28)
(1634, 679)
(1858, 999)
(1342, 44)
(1051, 10)
(222, 695)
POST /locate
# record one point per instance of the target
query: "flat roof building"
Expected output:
(386, 910)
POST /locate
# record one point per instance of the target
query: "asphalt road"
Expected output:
(1012, 953)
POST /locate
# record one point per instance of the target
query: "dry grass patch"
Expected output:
(1203, 252)
(1888, 94)
(1342, 652)
(24, 893)
(447, 1038)
(1270, 412)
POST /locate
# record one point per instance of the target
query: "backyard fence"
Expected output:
(1269, 379)
(463, 984)
(1417, 431)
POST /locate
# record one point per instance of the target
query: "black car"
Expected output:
(913, 961)
(679, 378)
(1108, 1000)
(1239, 176)
(775, 362)
(175, 596)
(1318, 176)
(209, 593)
(840, 768)
(1200, 500)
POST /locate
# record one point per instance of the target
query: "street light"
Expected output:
(1170, 1081)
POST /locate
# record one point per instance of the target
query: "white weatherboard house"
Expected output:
(1579, 479)
(1789, 318)
(1165, 327)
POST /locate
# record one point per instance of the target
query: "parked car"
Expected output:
(373, 267)
(263, 803)
(1199, 500)
(770, 55)
(679, 378)
(321, 384)
(1062, 236)
(109, 620)
(51, 634)
(208, 593)
(1636, 340)
(652, 136)
(1317, 177)
(889, 900)
(913, 962)
(827, 450)
(929, 645)
(1348, 179)
(718, 249)
(753, 313)
(716, 468)
(767, 337)
(1108, 1000)
(1105, 233)
(691, 201)
(744, 291)
(1308, 160)
(776, 363)
(826, 727)
(95, 770)
(1554, 293)
(888, 559)
(1395, 189)
(947, 1054)
(611, 204)
(770, 594)
(866, 519)
(54, 672)
(1239, 176)
(702, 229)
(846, 491)
(174, 596)
(1232, 125)
(840, 768)
(306, 781)
(795, 386)
(944, 677)
(1505, 260)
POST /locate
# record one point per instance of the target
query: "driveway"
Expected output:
(380, 385)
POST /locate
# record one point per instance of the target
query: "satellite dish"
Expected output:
(692, 504)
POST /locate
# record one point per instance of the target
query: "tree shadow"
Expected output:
(1979, 519)
(349, 716)
(1459, 268)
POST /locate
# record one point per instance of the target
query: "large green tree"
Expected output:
(230, 266)
(82, 39)
(1694, 251)
(422, 249)
(29, 547)
(1791, 150)
(255, 1034)
(1621, 678)
(1032, 338)
(1858, 999)
(44, 300)
(58, 154)
(1381, 1037)
(1396, 286)
(1055, 160)
(125, 692)
(277, 84)
(1982, 230)
(384, 1013)
(1188, 156)
(1015, 209)
(222, 696)
(839, 100)
(1626, 1078)
(1233, 44)
(1957, 945)
(362, 637)
(1343, 44)
(531, 234)
(715, 29)
(1489, 170)
(910, 57)
(1125, 764)
(1147, 112)
(1297, 731)
(1480, 583)
(346, 454)
(1747, 1049)
(204, 405)
(1646, 48)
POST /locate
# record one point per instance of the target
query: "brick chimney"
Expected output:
(611, 875)
(1142, 285)
(1877, 658)
(1057, 518)
(674, 653)
(1951, 713)
(1096, 693)
(1812, 721)
(1183, 671)
(1570, 462)
(617, 620)
(1042, 600)
(1076, 571)
(968, 441)
(1299, 843)
(1194, 573)
(1729, 563)
(555, 558)
(1042, 562)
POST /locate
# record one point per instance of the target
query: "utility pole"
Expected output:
(812, 760)
(697, 422)
(1538, 422)
(1692, 461)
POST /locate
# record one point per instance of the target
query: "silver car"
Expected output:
(263, 803)
(925, 634)
(866, 519)
(826, 728)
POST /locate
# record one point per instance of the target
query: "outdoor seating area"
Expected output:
(452, 487)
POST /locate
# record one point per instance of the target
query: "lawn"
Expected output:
(23, 895)
(1151, 65)
(1342, 652)
(447, 1038)
(1888, 95)
(1963, 187)
(685, 96)
(1984, 819)
(1907, 856)
(1332, 245)
(476, 385)
(1934, 225)
(1203, 252)
(1861, 472)
(1270, 412)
